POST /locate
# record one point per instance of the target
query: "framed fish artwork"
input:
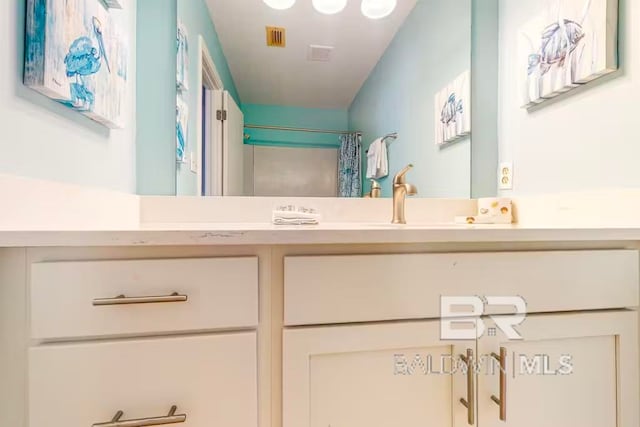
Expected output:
(570, 43)
(77, 54)
(453, 110)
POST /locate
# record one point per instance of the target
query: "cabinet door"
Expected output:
(568, 370)
(373, 376)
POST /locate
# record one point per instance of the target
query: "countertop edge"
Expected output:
(309, 236)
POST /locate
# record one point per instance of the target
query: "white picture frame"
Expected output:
(570, 43)
(453, 110)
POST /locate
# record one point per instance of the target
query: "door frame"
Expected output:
(209, 78)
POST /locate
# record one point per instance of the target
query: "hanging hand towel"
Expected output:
(377, 162)
(383, 161)
(372, 159)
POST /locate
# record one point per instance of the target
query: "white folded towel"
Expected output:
(293, 215)
(294, 221)
(377, 161)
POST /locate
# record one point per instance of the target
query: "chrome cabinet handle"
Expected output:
(124, 300)
(502, 400)
(143, 422)
(470, 401)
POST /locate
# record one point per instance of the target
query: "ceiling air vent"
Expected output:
(276, 37)
(320, 53)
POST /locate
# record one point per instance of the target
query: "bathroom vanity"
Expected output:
(249, 324)
(121, 310)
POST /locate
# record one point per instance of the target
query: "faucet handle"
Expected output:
(400, 176)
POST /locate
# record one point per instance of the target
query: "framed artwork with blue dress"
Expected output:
(77, 54)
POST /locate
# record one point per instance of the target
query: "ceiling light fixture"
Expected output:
(378, 9)
(329, 7)
(280, 4)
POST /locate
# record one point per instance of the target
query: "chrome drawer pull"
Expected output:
(142, 422)
(124, 300)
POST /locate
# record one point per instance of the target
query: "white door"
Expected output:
(224, 153)
(233, 148)
(396, 374)
(569, 370)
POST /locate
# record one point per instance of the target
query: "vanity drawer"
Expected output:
(360, 288)
(79, 299)
(210, 379)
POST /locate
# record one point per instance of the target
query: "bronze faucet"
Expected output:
(400, 191)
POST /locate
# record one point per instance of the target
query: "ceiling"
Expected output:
(284, 76)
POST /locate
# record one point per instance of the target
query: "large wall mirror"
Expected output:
(327, 98)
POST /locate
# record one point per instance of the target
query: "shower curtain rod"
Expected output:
(335, 132)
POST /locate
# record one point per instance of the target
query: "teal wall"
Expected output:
(583, 140)
(194, 15)
(429, 51)
(311, 118)
(484, 94)
(156, 97)
(157, 25)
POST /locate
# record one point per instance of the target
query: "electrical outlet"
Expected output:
(505, 176)
(194, 163)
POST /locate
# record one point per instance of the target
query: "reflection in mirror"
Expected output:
(276, 101)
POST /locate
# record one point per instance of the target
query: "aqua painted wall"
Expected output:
(194, 15)
(429, 51)
(484, 94)
(584, 140)
(311, 118)
(156, 97)
(157, 171)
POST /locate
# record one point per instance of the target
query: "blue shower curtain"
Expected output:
(349, 179)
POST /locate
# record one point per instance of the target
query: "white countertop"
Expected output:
(42, 213)
(267, 234)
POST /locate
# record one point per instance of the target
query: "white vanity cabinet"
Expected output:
(141, 342)
(315, 336)
(346, 323)
(372, 375)
(569, 370)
